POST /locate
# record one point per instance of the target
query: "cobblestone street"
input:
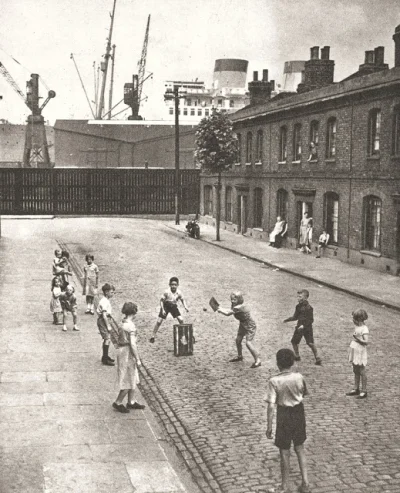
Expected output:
(213, 410)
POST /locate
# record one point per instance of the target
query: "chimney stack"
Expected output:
(369, 57)
(260, 90)
(318, 72)
(374, 62)
(396, 39)
(379, 56)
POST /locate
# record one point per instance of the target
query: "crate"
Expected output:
(183, 340)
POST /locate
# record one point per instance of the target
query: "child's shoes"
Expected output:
(362, 395)
(353, 392)
(64, 328)
(76, 328)
(88, 311)
(304, 488)
(235, 360)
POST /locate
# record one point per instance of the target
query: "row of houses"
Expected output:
(331, 149)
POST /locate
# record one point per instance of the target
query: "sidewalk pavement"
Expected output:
(367, 284)
(58, 431)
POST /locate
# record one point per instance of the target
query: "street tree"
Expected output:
(216, 151)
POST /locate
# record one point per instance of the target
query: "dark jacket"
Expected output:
(304, 314)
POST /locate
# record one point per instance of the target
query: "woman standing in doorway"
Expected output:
(305, 236)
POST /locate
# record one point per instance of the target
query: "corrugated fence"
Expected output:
(96, 191)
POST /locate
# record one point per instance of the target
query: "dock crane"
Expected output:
(36, 152)
(133, 90)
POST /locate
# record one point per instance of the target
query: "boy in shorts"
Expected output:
(103, 322)
(169, 304)
(304, 314)
(285, 393)
(69, 305)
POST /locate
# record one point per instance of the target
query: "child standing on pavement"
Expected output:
(128, 360)
(55, 303)
(103, 322)
(169, 304)
(247, 327)
(285, 394)
(304, 314)
(358, 354)
(69, 305)
(90, 282)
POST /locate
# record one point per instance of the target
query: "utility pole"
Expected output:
(104, 66)
(110, 97)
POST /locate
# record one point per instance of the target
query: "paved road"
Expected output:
(216, 408)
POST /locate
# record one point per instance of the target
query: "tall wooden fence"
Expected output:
(96, 191)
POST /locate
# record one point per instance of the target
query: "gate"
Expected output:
(96, 191)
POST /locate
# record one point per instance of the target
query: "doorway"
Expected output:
(242, 214)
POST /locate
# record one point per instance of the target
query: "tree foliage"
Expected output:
(216, 144)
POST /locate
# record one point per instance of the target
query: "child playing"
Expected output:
(69, 304)
(103, 322)
(247, 327)
(169, 304)
(90, 282)
(358, 354)
(128, 361)
(61, 268)
(285, 393)
(55, 303)
(322, 242)
(305, 318)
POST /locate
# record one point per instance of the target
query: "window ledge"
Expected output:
(371, 253)
(248, 164)
(312, 161)
(238, 164)
(282, 162)
(297, 161)
(258, 229)
(374, 158)
(258, 163)
(330, 160)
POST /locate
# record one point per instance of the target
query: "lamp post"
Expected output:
(168, 96)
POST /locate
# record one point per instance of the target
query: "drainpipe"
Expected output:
(350, 180)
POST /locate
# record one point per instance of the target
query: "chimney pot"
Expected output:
(369, 56)
(396, 39)
(314, 53)
(379, 53)
(325, 52)
(255, 76)
(265, 75)
(272, 84)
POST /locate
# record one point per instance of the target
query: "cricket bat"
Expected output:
(214, 304)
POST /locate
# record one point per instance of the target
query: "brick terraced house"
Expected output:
(349, 183)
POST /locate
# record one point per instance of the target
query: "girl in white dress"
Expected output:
(128, 361)
(358, 354)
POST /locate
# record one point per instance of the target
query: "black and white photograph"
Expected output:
(199, 246)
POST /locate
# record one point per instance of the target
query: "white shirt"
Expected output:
(286, 389)
(104, 306)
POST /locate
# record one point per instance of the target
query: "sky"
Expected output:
(186, 37)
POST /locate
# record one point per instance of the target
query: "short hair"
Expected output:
(285, 358)
(129, 308)
(107, 287)
(57, 250)
(239, 296)
(174, 279)
(360, 315)
(87, 257)
(70, 286)
(306, 292)
(64, 253)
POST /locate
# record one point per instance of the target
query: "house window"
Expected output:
(314, 132)
(231, 103)
(374, 132)
(208, 202)
(283, 144)
(199, 112)
(259, 146)
(189, 102)
(297, 142)
(331, 216)
(239, 148)
(228, 204)
(171, 111)
(372, 222)
(195, 102)
(185, 111)
(258, 208)
(192, 112)
(282, 199)
(207, 112)
(396, 132)
(249, 148)
(219, 103)
(331, 139)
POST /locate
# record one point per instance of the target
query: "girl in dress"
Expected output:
(90, 282)
(305, 236)
(128, 361)
(55, 303)
(358, 354)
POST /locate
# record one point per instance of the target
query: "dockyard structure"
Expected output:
(227, 94)
(331, 149)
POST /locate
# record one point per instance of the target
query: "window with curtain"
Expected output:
(331, 213)
(374, 132)
(239, 148)
(249, 148)
(372, 223)
(331, 138)
(283, 144)
(297, 142)
(259, 146)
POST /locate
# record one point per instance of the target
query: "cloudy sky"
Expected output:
(186, 36)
